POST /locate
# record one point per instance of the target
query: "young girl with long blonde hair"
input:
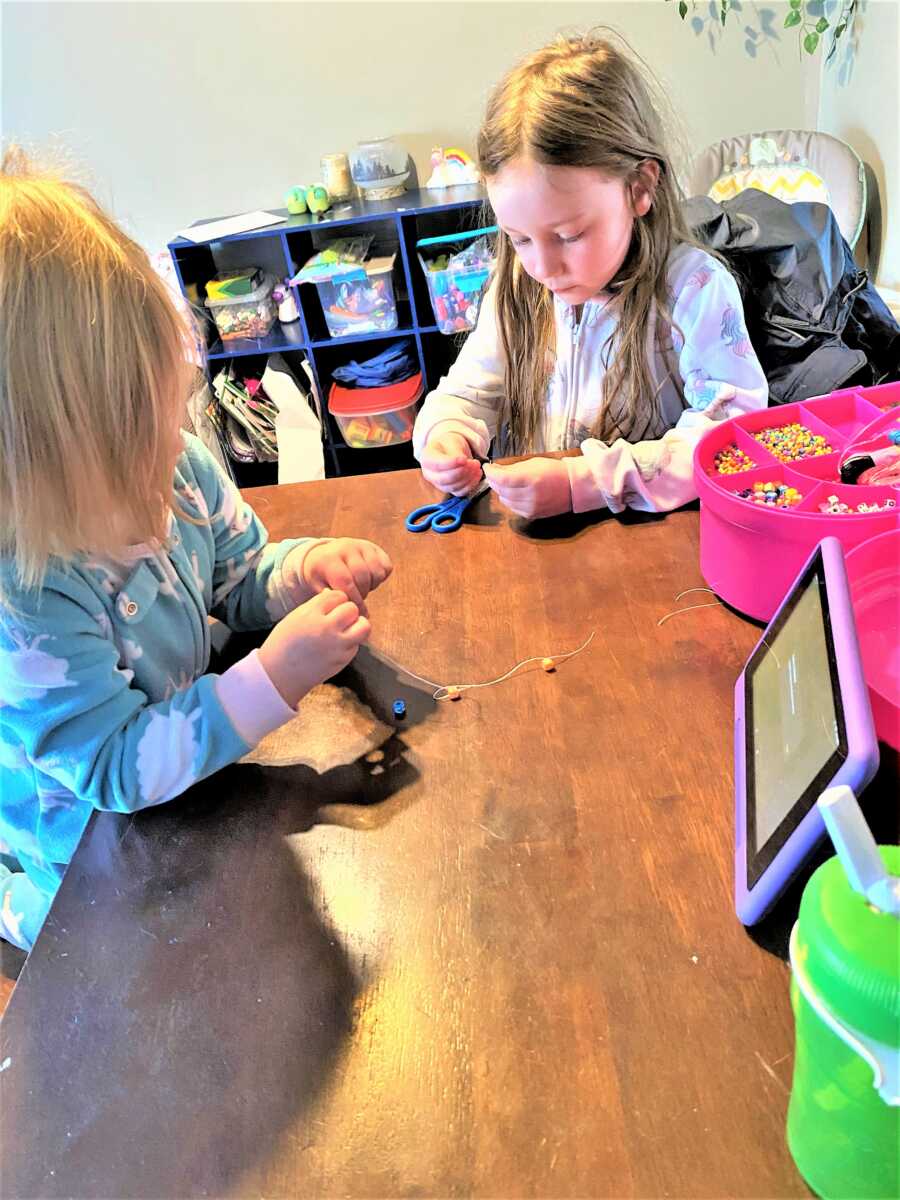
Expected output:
(605, 326)
(118, 536)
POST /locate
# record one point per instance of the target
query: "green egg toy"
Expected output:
(317, 199)
(295, 200)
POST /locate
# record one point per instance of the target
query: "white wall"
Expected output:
(860, 103)
(187, 110)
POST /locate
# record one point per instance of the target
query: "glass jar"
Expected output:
(336, 176)
(379, 168)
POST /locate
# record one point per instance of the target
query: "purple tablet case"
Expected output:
(761, 876)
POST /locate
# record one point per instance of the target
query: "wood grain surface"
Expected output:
(499, 958)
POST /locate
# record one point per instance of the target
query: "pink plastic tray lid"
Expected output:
(873, 572)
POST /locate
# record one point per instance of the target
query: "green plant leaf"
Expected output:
(795, 4)
(840, 29)
(682, 9)
(793, 18)
(821, 24)
(810, 42)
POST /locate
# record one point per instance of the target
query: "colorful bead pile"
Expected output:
(244, 319)
(379, 429)
(731, 461)
(773, 494)
(835, 505)
(789, 443)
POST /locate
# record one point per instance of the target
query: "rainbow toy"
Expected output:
(451, 168)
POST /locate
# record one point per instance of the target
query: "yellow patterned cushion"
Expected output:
(786, 181)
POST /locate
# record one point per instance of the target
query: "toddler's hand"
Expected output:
(312, 643)
(447, 462)
(350, 565)
(538, 487)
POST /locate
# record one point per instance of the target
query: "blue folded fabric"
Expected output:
(391, 366)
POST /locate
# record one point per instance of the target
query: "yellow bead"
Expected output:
(453, 693)
(548, 664)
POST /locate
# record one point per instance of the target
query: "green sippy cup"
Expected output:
(843, 1125)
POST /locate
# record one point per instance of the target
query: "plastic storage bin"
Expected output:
(250, 316)
(373, 417)
(234, 284)
(456, 290)
(751, 551)
(360, 300)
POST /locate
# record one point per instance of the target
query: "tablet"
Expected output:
(802, 724)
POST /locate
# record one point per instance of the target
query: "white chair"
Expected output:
(797, 164)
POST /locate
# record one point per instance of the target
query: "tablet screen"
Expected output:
(796, 735)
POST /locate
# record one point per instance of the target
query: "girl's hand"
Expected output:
(448, 463)
(538, 487)
(349, 565)
(312, 643)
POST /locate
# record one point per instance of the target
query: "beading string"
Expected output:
(448, 691)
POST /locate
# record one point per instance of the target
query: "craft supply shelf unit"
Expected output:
(395, 226)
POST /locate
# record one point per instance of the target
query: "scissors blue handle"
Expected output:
(444, 517)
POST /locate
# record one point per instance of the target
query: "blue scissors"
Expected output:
(446, 516)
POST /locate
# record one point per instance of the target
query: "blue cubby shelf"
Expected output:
(396, 225)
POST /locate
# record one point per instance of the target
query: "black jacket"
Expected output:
(815, 321)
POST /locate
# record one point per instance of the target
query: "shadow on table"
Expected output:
(568, 526)
(205, 999)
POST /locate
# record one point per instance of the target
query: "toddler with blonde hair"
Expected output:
(119, 536)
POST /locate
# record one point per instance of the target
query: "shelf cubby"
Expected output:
(395, 226)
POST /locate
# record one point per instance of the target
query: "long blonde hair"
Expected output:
(583, 102)
(93, 373)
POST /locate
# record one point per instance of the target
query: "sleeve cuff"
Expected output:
(280, 602)
(586, 495)
(251, 701)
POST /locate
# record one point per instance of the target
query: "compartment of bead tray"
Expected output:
(792, 433)
(853, 500)
(770, 489)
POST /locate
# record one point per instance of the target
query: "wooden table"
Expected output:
(503, 961)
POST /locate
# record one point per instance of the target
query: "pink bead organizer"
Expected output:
(750, 553)
(873, 572)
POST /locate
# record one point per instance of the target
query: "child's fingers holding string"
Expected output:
(346, 616)
(458, 481)
(448, 463)
(514, 475)
(463, 483)
(509, 485)
(363, 568)
(358, 632)
(366, 573)
(536, 488)
(345, 585)
(379, 562)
